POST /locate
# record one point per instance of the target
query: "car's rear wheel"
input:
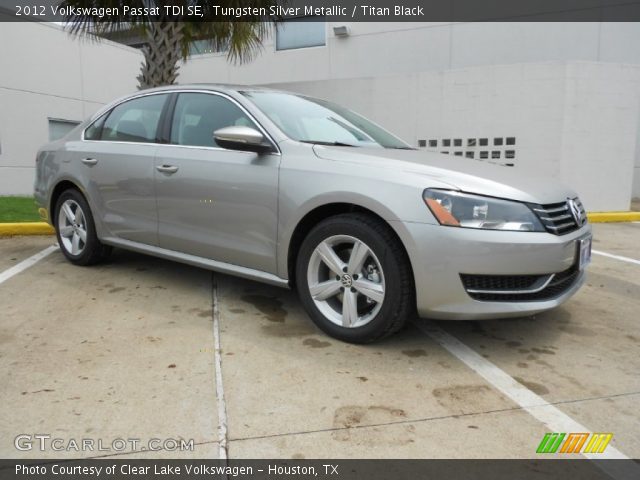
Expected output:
(76, 230)
(354, 278)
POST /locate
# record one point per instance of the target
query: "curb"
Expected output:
(605, 217)
(43, 228)
(26, 228)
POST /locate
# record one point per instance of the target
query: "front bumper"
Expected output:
(439, 255)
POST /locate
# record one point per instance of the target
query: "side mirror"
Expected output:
(242, 138)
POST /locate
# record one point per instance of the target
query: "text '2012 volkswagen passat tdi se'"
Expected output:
(299, 192)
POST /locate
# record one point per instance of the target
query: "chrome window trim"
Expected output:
(178, 91)
(218, 149)
(155, 144)
(110, 109)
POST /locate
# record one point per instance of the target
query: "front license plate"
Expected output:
(584, 246)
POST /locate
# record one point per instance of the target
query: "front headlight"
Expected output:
(456, 209)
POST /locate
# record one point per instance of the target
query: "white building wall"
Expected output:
(374, 49)
(600, 133)
(575, 121)
(46, 73)
(568, 92)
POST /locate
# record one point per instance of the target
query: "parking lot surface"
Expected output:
(130, 349)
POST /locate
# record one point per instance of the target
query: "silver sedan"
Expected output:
(302, 193)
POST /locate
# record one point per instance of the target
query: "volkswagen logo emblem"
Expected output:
(575, 210)
(346, 280)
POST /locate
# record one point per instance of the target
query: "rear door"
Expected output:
(216, 203)
(118, 158)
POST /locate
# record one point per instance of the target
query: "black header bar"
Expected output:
(332, 10)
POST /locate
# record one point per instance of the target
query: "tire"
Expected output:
(366, 291)
(76, 231)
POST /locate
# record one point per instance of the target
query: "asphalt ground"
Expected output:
(140, 349)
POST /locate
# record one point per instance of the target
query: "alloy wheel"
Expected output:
(346, 281)
(72, 226)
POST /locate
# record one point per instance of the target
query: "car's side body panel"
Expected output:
(308, 182)
(220, 204)
(120, 186)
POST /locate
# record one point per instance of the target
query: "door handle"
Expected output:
(89, 161)
(167, 169)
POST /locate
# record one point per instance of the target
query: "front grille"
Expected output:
(560, 218)
(512, 288)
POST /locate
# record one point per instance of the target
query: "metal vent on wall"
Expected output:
(500, 150)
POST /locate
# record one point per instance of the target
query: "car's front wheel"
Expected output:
(76, 230)
(354, 278)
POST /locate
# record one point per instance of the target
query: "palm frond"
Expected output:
(93, 23)
(242, 38)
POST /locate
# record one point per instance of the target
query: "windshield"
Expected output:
(311, 120)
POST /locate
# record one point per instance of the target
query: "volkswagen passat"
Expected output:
(300, 192)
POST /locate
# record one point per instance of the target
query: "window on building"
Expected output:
(301, 33)
(203, 47)
(58, 128)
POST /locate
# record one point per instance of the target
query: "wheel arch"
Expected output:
(61, 187)
(322, 212)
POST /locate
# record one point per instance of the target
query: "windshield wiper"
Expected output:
(401, 148)
(333, 144)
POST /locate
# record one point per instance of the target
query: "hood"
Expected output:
(464, 174)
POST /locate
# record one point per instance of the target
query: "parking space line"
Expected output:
(538, 407)
(617, 257)
(222, 407)
(29, 262)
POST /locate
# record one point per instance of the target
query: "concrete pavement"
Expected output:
(126, 349)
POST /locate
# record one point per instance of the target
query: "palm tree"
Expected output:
(169, 38)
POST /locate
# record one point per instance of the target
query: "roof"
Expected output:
(216, 87)
(224, 87)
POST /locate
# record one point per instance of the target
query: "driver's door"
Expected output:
(212, 202)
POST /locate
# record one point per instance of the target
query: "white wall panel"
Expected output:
(51, 74)
(575, 121)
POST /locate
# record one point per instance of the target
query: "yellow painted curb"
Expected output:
(602, 217)
(26, 228)
(43, 228)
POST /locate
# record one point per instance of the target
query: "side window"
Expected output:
(198, 115)
(94, 130)
(135, 120)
